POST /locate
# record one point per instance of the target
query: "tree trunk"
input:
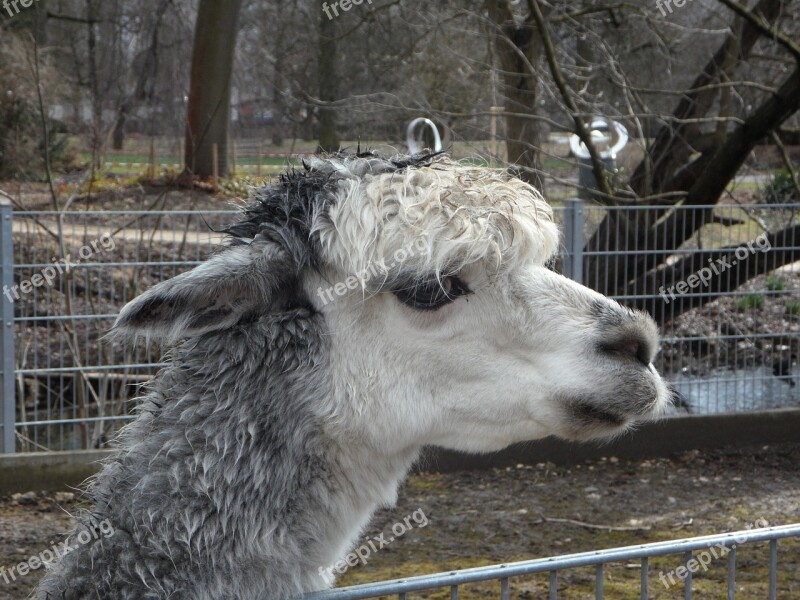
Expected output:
(278, 105)
(328, 92)
(518, 47)
(96, 135)
(119, 129)
(147, 73)
(670, 305)
(209, 112)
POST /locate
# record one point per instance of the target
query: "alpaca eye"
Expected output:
(432, 294)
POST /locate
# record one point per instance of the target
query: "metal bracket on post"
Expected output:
(573, 239)
(7, 400)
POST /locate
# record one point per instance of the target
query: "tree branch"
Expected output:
(672, 145)
(764, 28)
(566, 95)
(787, 161)
(727, 160)
(783, 251)
(70, 19)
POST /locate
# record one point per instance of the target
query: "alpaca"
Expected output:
(297, 395)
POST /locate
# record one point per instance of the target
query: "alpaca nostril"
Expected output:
(629, 347)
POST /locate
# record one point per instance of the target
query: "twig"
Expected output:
(726, 221)
(566, 95)
(787, 161)
(591, 525)
(25, 438)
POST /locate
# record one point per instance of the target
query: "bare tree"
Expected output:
(745, 91)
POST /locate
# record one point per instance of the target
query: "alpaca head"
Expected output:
(428, 280)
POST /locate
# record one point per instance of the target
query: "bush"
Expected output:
(780, 189)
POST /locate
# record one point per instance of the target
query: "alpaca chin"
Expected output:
(589, 421)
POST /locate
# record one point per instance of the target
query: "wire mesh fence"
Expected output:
(723, 282)
(725, 290)
(73, 387)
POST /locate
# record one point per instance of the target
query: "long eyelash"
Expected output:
(439, 296)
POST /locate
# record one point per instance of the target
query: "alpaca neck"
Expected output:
(366, 481)
(231, 478)
(315, 486)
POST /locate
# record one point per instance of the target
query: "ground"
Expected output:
(487, 517)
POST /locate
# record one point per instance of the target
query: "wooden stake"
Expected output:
(151, 169)
(494, 110)
(233, 159)
(258, 161)
(215, 165)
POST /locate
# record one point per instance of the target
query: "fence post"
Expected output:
(573, 239)
(7, 334)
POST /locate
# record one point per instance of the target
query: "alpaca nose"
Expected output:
(631, 346)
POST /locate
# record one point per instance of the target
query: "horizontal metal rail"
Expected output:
(76, 421)
(557, 563)
(92, 368)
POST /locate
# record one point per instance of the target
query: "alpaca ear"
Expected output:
(240, 281)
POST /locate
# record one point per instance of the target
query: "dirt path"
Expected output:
(482, 518)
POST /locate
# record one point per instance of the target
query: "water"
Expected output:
(737, 391)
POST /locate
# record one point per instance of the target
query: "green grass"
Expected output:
(775, 284)
(750, 301)
(793, 308)
(244, 159)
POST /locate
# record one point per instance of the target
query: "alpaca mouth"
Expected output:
(586, 414)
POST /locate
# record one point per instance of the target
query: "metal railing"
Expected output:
(504, 574)
(732, 352)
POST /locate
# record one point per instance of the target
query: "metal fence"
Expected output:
(720, 548)
(73, 389)
(729, 341)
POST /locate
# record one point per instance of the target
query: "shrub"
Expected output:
(750, 301)
(775, 284)
(780, 189)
